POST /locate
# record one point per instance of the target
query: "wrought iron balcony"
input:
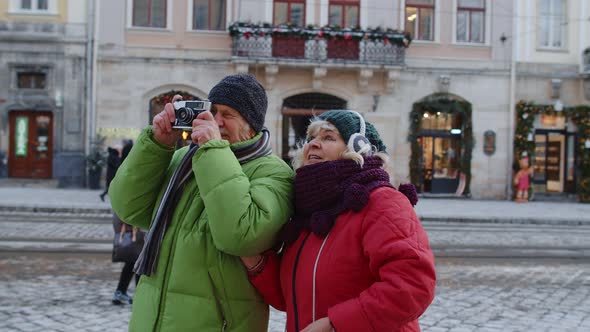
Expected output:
(319, 45)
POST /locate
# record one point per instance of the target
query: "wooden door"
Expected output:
(31, 145)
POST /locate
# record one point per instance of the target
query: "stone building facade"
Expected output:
(43, 77)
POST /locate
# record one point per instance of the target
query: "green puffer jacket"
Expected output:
(227, 210)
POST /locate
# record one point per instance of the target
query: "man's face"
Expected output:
(232, 126)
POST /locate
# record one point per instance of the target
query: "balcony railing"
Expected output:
(319, 45)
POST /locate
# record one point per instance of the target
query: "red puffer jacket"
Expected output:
(373, 272)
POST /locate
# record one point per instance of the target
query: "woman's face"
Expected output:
(324, 145)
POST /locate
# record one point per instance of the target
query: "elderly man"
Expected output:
(224, 196)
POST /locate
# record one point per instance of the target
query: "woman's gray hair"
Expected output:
(314, 128)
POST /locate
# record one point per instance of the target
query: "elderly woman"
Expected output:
(356, 257)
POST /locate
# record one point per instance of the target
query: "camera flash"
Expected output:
(184, 134)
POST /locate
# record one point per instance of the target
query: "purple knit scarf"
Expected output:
(325, 190)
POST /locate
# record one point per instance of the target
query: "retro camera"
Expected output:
(186, 111)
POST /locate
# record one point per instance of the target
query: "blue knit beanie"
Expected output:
(243, 93)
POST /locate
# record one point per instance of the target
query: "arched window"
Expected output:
(157, 103)
(297, 111)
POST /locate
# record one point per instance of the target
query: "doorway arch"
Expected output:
(441, 138)
(156, 104)
(297, 111)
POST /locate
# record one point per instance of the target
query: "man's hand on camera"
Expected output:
(162, 125)
(205, 128)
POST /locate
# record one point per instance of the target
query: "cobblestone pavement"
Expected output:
(71, 292)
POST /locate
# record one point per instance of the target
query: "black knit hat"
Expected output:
(243, 93)
(348, 123)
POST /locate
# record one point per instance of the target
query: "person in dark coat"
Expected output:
(121, 296)
(113, 162)
(127, 145)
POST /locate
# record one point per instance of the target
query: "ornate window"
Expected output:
(289, 11)
(552, 23)
(471, 21)
(149, 13)
(344, 13)
(209, 14)
(420, 19)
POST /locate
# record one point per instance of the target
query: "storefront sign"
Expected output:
(552, 121)
(489, 142)
(21, 136)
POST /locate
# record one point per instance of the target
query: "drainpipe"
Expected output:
(91, 48)
(512, 103)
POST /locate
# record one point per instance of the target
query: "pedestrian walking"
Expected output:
(127, 245)
(356, 257)
(127, 145)
(224, 196)
(113, 162)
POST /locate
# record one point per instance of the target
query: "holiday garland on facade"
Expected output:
(442, 102)
(311, 32)
(164, 98)
(579, 115)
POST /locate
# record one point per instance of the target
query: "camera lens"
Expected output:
(185, 116)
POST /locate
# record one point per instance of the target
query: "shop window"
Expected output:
(471, 21)
(209, 14)
(552, 23)
(420, 19)
(440, 121)
(149, 13)
(289, 12)
(344, 13)
(31, 80)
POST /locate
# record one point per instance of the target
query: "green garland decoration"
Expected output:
(164, 98)
(328, 32)
(444, 103)
(579, 115)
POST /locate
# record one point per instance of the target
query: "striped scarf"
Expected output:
(148, 258)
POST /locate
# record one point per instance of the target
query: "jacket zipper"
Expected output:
(219, 306)
(315, 268)
(293, 282)
(165, 277)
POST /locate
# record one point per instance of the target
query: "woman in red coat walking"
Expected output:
(356, 257)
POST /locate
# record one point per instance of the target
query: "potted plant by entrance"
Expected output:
(95, 161)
